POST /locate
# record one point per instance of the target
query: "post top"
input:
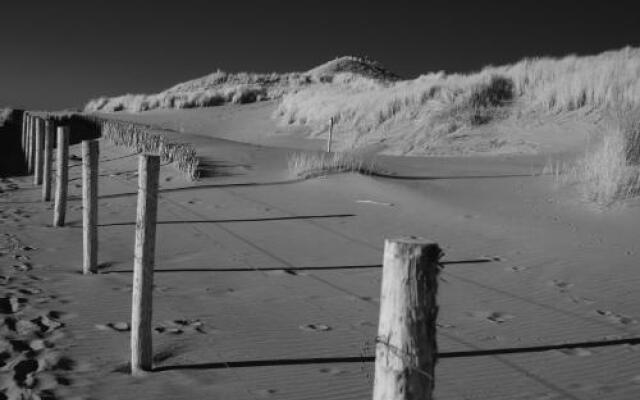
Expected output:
(411, 240)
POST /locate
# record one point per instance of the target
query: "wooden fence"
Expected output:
(406, 347)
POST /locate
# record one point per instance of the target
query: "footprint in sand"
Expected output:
(491, 338)
(495, 317)
(617, 318)
(114, 326)
(315, 328)
(35, 369)
(563, 286)
(179, 326)
(515, 268)
(22, 266)
(366, 324)
(11, 304)
(333, 371)
(263, 392)
(21, 257)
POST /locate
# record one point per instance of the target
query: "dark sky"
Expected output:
(58, 54)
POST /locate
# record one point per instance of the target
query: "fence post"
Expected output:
(39, 144)
(142, 302)
(90, 206)
(62, 176)
(23, 137)
(49, 137)
(330, 139)
(31, 144)
(406, 347)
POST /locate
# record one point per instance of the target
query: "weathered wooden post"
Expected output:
(406, 347)
(330, 139)
(49, 137)
(90, 206)
(141, 309)
(39, 160)
(23, 137)
(30, 144)
(62, 177)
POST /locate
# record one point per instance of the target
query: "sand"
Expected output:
(268, 289)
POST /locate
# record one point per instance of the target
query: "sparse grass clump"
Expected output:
(611, 173)
(309, 165)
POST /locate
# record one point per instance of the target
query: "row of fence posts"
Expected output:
(37, 137)
(406, 349)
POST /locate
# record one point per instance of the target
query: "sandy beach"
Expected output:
(268, 287)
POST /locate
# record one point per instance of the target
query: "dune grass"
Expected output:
(437, 107)
(140, 138)
(610, 173)
(309, 165)
(222, 87)
(238, 94)
(437, 113)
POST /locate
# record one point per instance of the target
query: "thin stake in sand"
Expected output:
(406, 347)
(49, 137)
(142, 297)
(330, 138)
(90, 206)
(62, 177)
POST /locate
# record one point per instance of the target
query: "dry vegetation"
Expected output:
(418, 114)
(423, 115)
(308, 165)
(140, 138)
(135, 137)
(436, 113)
(221, 87)
(610, 173)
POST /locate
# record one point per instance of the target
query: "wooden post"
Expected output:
(39, 143)
(330, 139)
(49, 137)
(406, 347)
(62, 177)
(141, 310)
(30, 144)
(90, 206)
(23, 137)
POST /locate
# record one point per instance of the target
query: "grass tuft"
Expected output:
(309, 165)
(611, 173)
